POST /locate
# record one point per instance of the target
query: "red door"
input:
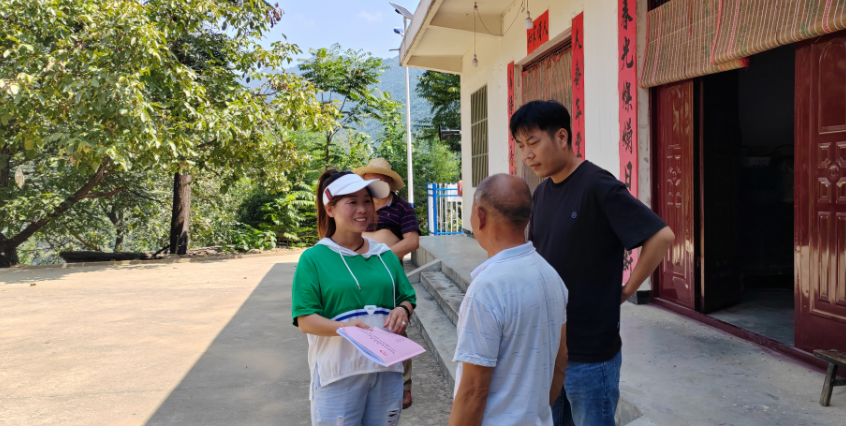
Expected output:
(821, 194)
(674, 186)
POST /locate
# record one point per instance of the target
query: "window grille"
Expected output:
(479, 134)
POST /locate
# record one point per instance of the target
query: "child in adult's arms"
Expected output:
(348, 280)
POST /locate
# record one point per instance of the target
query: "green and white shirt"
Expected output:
(327, 282)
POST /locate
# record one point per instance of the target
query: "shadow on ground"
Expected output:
(254, 372)
(27, 276)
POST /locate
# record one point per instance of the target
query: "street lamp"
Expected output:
(406, 16)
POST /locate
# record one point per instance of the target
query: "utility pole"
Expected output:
(408, 120)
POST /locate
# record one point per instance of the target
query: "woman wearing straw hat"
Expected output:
(396, 226)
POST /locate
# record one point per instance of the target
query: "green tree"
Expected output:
(92, 89)
(443, 91)
(433, 160)
(346, 79)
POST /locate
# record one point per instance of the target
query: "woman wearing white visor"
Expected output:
(347, 280)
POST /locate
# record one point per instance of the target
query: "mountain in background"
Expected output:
(393, 82)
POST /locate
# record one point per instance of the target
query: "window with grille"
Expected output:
(479, 134)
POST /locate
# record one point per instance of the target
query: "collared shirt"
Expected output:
(398, 216)
(511, 319)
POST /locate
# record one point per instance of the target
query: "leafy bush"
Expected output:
(292, 216)
(250, 211)
(246, 238)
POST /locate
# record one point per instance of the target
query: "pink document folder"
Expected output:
(382, 347)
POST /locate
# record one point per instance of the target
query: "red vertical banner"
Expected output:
(578, 72)
(539, 34)
(627, 90)
(512, 151)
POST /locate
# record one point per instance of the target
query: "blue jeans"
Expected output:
(590, 394)
(373, 399)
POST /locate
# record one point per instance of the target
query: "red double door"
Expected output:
(819, 187)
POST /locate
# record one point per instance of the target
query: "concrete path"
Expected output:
(679, 372)
(206, 343)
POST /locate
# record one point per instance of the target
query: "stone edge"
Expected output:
(166, 260)
(432, 266)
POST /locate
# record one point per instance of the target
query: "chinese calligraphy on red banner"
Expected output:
(512, 152)
(627, 89)
(578, 108)
(539, 34)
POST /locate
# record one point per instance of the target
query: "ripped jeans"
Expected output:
(373, 399)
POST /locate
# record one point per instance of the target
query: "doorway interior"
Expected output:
(744, 184)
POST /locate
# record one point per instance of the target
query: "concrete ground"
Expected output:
(680, 372)
(206, 343)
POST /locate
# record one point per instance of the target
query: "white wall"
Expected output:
(601, 97)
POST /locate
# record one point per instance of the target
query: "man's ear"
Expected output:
(483, 216)
(561, 138)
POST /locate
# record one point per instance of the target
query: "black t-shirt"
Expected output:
(582, 227)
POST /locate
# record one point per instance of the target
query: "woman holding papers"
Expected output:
(347, 280)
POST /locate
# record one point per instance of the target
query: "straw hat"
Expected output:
(382, 167)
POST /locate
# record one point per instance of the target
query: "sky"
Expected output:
(357, 24)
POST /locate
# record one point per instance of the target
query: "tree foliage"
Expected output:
(443, 91)
(346, 79)
(94, 90)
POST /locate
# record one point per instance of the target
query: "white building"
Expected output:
(715, 137)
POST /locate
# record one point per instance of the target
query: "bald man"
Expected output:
(511, 350)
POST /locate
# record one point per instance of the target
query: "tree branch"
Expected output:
(146, 197)
(88, 244)
(35, 226)
(105, 194)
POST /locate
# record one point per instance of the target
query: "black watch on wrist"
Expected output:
(407, 312)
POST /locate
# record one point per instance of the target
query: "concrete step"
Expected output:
(438, 332)
(445, 292)
(455, 266)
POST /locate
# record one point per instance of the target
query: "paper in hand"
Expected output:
(380, 346)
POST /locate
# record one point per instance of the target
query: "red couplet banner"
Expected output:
(539, 34)
(577, 112)
(627, 90)
(512, 152)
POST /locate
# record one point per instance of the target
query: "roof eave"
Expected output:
(414, 31)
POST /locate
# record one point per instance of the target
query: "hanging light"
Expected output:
(475, 12)
(529, 23)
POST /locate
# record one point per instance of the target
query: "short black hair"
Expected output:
(548, 116)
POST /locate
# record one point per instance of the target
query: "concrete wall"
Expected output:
(601, 97)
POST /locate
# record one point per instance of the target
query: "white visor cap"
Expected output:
(352, 183)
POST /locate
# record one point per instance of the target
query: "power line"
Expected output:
(522, 8)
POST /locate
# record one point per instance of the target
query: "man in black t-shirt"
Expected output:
(583, 222)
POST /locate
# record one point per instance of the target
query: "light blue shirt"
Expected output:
(511, 320)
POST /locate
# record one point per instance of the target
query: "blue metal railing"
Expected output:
(444, 209)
